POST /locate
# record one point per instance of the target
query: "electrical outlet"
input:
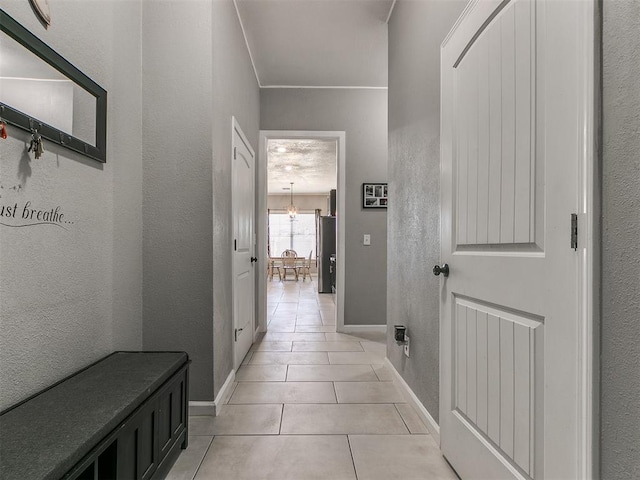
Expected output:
(406, 345)
(366, 239)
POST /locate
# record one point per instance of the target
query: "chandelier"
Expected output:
(291, 210)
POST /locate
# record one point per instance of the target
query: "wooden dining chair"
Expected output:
(289, 259)
(306, 267)
(271, 267)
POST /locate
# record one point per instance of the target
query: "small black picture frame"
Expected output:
(374, 195)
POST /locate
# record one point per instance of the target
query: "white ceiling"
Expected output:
(313, 43)
(309, 163)
(327, 43)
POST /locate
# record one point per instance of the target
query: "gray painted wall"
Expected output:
(177, 210)
(416, 31)
(70, 296)
(189, 101)
(620, 334)
(235, 93)
(362, 114)
(125, 158)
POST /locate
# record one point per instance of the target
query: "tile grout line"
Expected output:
(233, 390)
(195, 474)
(353, 461)
(281, 420)
(374, 372)
(402, 418)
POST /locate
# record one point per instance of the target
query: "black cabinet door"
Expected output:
(138, 444)
(171, 413)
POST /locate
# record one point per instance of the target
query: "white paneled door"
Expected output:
(243, 198)
(516, 98)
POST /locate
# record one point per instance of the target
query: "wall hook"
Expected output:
(3, 126)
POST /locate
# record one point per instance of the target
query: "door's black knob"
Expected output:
(254, 259)
(444, 270)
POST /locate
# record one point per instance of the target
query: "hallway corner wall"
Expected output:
(71, 292)
(177, 184)
(416, 30)
(620, 282)
(235, 94)
(362, 115)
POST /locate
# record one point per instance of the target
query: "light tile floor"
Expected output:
(310, 403)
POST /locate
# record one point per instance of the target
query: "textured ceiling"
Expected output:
(309, 163)
(317, 42)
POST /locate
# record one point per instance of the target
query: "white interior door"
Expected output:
(244, 244)
(514, 114)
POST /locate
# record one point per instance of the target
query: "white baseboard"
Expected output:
(226, 390)
(202, 408)
(423, 413)
(363, 328)
(211, 408)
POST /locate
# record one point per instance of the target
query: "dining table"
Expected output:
(276, 262)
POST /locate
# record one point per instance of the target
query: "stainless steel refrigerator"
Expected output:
(326, 248)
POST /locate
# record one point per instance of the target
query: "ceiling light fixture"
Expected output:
(292, 210)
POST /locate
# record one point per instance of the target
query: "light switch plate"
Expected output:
(366, 239)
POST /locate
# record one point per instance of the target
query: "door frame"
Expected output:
(589, 213)
(588, 251)
(261, 219)
(235, 127)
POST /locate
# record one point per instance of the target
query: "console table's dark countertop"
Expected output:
(46, 436)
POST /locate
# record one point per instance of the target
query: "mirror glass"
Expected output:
(41, 91)
(38, 90)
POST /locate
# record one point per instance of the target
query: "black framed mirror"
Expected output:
(41, 91)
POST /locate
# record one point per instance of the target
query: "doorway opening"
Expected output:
(297, 170)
